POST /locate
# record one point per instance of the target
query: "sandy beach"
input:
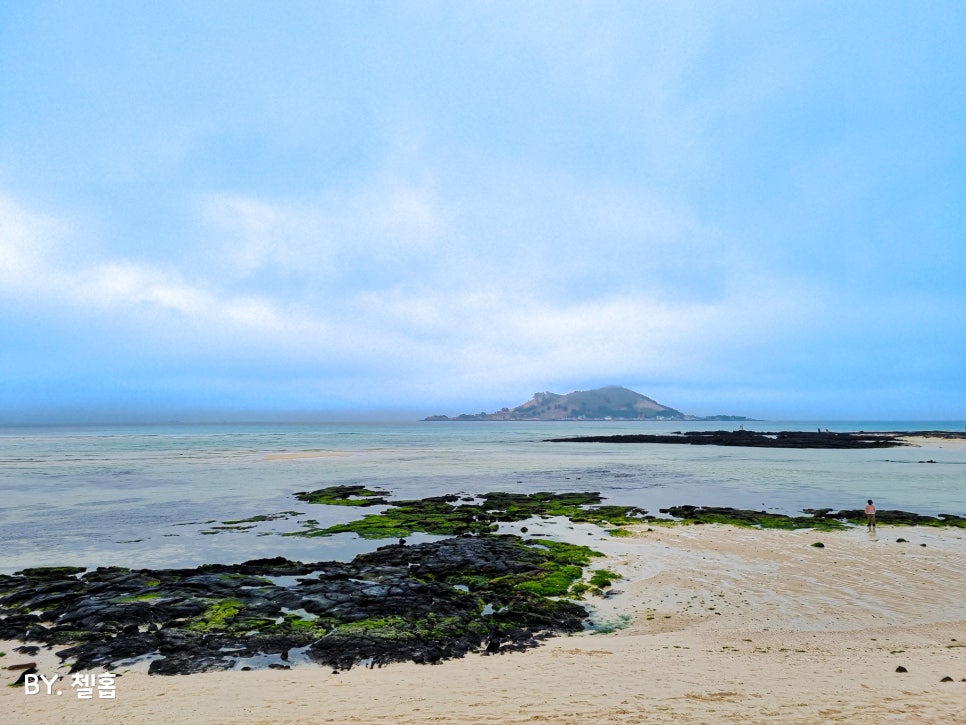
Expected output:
(296, 455)
(722, 625)
(950, 443)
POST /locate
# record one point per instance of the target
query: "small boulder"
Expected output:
(29, 669)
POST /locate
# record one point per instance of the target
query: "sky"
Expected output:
(314, 210)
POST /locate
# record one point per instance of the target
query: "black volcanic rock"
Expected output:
(755, 439)
(421, 603)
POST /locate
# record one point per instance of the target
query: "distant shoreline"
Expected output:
(780, 439)
(500, 418)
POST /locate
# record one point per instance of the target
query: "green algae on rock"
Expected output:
(394, 604)
(818, 519)
(747, 518)
(454, 515)
(260, 518)
(353, 495)
(889, 518)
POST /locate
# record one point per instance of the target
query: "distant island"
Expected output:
(610, 403)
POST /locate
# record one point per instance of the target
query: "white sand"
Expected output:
(727, 626)
(297, 455)
(933, 442)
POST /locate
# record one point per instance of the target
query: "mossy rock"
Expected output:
(295, 623)
(51, 572)
(264, 517)
(473, 582)
(351, 495)
(210, 616)
(219, 616)
(747, 518)
(146, 597)
(563, 553)
(610, 515)
(602, 578)
(554, 582)
(454, 515)
(889, 517)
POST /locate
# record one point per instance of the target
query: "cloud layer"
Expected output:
(755, 211)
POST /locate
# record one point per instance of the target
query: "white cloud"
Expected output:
(251, 237)
(38, 268)
(26, 240)
(116, 285)
(321, 239)
(400, 285)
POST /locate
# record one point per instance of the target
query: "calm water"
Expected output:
(145, 495)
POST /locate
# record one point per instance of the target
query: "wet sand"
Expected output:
(296, 455)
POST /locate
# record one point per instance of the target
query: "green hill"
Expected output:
(610, 403)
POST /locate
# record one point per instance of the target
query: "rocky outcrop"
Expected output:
(421, 603)
(781, 439)
(610, 403)
(889, 517)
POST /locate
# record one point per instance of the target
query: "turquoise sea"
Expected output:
(156, 495)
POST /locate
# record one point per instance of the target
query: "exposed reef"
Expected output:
(820, 519)
(420, 603)
(481, 514)
(353, 495)
(453, 515)
(756, 439)
(473, 592)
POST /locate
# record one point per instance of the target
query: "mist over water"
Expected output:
(159, 495)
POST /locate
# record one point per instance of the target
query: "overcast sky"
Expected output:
(257, 210)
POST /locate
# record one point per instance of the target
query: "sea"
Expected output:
(178, 495)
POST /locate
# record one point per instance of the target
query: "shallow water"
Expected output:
(154, 495)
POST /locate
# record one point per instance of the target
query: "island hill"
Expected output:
(609, 403)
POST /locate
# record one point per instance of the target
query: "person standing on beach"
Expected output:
(870, 514)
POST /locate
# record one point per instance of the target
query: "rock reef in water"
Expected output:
(453, 515)
(820, 519)
(423, 603)
(420, 603)
(756, 439)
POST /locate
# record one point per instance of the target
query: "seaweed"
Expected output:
(263, 517)
(351, 495)
(452, 515)
(890, 518)
(747, 518)
(218, 616)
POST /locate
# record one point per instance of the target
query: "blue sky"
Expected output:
(258, 210)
